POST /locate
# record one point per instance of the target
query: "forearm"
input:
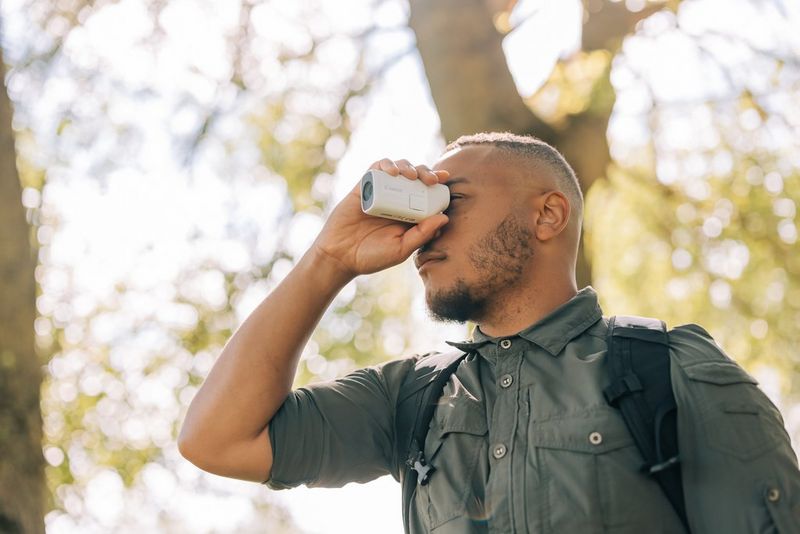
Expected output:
(254, 373)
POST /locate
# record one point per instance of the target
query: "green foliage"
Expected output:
(576, 85)
(98, 396)
(726, 260)
(718, 248)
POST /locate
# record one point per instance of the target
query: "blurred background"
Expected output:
(164, 164)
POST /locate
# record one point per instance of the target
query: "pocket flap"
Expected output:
(460, 414)
(595, 432)
(719, 373)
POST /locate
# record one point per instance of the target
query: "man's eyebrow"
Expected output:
(457, 180)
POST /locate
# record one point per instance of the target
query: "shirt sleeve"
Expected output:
(739, 471)
(339, 431)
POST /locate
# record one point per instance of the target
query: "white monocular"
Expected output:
(400, 198)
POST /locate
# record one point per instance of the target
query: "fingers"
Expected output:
(427, 175)
(402, 167)
(406, 169)
(386, 165)
(423, 232)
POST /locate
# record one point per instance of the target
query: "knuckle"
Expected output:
(389, 166)
(408, 169)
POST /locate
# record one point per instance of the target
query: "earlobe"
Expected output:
(553, 215)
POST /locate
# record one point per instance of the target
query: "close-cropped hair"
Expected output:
(530, 149)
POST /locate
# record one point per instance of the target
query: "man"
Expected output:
(523, 439)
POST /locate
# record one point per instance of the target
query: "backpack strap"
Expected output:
(641, 388)
(419, 396)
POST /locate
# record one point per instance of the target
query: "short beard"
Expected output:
(499, 258)
(456, 305)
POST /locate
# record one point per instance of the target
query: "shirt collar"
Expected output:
(554, 331)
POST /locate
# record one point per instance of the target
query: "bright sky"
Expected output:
(135, 227)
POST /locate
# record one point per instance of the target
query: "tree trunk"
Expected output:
(466, 67)
(22, 483)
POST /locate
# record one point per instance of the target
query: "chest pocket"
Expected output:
(455, 444)
(589, 474)
(736, 418)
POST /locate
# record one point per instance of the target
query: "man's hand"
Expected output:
(363, 244)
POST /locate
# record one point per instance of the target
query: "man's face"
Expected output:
(483, 251)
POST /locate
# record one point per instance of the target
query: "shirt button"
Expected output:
(499, 451)
(595, 438)
(773, 495)
(506, 343)
(506, 380)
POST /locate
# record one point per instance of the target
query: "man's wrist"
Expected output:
(327, 268)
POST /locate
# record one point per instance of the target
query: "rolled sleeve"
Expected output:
(339, 431)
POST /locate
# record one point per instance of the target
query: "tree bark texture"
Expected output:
(466, 67)
(22, 482)
(473, 90)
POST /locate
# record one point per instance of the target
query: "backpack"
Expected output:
(640, 387)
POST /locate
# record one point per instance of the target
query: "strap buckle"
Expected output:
(416, 462)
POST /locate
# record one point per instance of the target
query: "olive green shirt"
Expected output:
(524, 441)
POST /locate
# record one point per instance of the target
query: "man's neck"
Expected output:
(514, 313)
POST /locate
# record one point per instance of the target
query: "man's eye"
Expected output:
(450, 206)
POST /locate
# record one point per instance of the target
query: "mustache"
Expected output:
(427, 247)
(427, 252)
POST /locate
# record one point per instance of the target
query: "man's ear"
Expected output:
(553, 212)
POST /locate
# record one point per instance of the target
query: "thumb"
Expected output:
(422, 232)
